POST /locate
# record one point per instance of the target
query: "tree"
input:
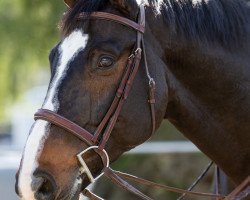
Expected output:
(28, 30)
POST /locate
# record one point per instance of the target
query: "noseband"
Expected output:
(98, 140)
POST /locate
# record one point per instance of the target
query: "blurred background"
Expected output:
(28, 30)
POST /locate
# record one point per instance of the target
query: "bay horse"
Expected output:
(197, 52)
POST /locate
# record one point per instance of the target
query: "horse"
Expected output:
(197, 53)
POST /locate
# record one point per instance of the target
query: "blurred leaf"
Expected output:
(28, 30)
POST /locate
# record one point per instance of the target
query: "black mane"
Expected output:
(222, 21)
(69, 21)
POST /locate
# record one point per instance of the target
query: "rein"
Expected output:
(99, 139)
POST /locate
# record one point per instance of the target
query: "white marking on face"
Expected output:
(31, 149)
(69, 48)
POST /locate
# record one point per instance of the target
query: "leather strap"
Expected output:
(109, 172)
(123, 91)
(152, 88)
(217, 180)
(64, 123)
(202, 175)
(126, 92)
(115, 102)
(243, 187)
(90, 195)
(151, 101)
(115, 18)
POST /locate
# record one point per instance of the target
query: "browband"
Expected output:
(115, 18)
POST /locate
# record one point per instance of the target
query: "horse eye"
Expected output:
(105, 62)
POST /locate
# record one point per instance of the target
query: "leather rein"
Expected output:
(98, 140)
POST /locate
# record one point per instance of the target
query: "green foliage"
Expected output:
(28, 30)
(167, 132)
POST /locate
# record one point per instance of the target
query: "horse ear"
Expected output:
(127, 6)
(70, 3)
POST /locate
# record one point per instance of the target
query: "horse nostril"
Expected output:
(43, 188)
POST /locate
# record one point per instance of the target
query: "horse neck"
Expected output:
(206, 99)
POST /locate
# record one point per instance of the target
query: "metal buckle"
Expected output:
(151, 82)
(138, 50)
(131, 56)
(85, 169)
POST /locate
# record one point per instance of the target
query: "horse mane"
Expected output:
(69, 22)
(221, 21)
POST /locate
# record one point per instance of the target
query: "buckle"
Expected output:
(152, 83)
(132, 56)
(84, 167)
(138, 51)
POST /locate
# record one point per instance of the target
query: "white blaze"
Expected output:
(69, 48)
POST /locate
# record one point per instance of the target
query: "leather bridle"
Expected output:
(99, 139)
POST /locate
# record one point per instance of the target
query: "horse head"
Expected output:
(87, 66)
